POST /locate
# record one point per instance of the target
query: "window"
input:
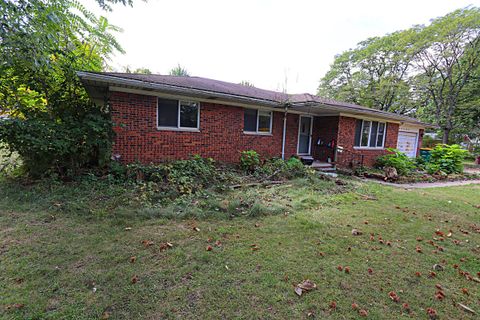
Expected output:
(177, 114)
(257, 121)
(370, 134)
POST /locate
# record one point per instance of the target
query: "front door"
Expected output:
(305, 135)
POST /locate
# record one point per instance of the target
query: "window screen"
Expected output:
(264, 118)
(250, 120)
(188, 114)
(167, 113)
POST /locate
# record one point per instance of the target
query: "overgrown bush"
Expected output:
(249, 160)
(396, 159)
(178, 177)
(283, 169)
(447, 159)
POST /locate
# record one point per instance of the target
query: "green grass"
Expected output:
(58, 242)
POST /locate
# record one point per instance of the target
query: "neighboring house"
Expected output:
(158, 118)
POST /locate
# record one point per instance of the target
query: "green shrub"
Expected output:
(249, 160)
(396, 159)
(283, 169)
(447, 159)
(178, 177)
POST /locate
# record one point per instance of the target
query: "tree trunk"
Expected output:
(446, 134)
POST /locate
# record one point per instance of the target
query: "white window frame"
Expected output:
(370, 136)
(178, 127)
(258, 120)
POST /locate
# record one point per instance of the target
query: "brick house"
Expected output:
(159, 118)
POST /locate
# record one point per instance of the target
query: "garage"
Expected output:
(407, 143)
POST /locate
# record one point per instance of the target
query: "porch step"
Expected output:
(324, 166)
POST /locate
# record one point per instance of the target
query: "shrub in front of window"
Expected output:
(249, 160)
(447, 159)
(396, 159)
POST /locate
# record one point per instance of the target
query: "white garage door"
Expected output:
(407, 143)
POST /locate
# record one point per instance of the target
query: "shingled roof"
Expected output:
(205, 86)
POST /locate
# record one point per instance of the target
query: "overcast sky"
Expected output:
(266, 42)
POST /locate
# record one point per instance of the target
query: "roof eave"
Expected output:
(87, 77)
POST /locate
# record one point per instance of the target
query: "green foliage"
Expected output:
(52, 124)
(249, 160)
(396, 159)
(447, 159)
(179, 71)
(178, 177)
(283, 169)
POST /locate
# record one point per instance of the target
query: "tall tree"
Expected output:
(374, 74)
(179, 71)
(448, 55)
(422, 71)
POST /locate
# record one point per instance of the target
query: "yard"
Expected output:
(75, 251)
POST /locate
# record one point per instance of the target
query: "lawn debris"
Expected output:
(432, 313)
(363, 313)
(128, 228)
(254, 247)
(209, 248)
(354, 306)
(134, 279)
(394, 296)
(133, 259)
(165, 246)
(438, 267)
(196, 229)
(107, 313)
(14, 306)
(147, 243)
(333, 305)
(305, 286)
(465, 308)
(356, 232)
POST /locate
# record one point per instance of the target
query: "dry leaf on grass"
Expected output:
(305, 286)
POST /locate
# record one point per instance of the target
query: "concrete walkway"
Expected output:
(424, 185)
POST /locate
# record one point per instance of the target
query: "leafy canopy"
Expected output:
(51, 122)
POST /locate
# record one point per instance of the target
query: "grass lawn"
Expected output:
(65, 253)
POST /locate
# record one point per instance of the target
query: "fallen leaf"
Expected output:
(339, 268)
(394, 296)
(406, 306)
(464, 290)
(333, 305)
(418, 274)
(298, 291)
(370, 270)
(347, 269)
(307, 285)
(147, 243)
(354, 306)
(363, 313)
(134, 279)
(209, 248)
(133, 259)
(432, 313)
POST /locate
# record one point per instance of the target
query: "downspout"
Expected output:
(284, 131)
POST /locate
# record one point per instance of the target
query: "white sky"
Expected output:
(266, 42)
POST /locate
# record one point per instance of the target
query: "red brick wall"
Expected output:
(325, 129)
(346, 139)
(221, 133)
